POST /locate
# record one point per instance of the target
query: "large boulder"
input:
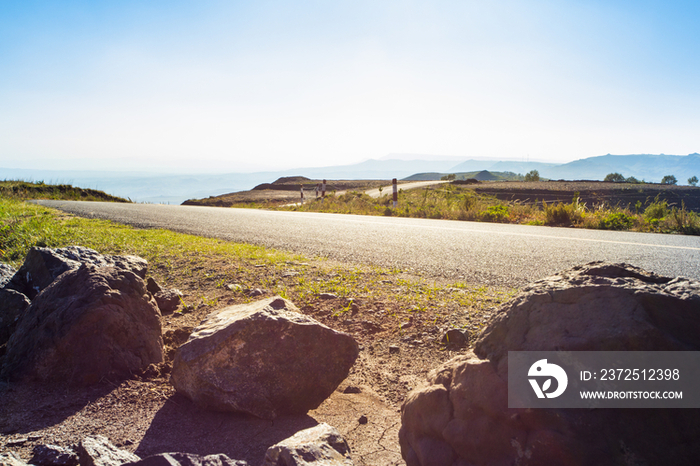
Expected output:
(320, 445)
(90, 323)
(264, 358)
(43, 265)
(596, 307)
(461, 415)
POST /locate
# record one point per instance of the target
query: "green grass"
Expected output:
(24, 225)
(17, 189)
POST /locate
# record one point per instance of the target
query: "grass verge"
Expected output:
(16, 189)
(451, 202)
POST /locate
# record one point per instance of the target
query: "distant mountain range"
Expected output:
(648, 167)
(174, 189)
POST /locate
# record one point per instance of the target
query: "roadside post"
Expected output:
(302, 193)
(396, 192)
(323, 191)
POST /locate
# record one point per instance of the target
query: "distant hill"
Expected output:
(649, 167)
(170, 188)
(500, 166)
(483, 175)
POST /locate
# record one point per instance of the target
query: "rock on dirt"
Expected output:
(187, 459)
(264, 358)
(461, 415)
(90, 323)
(11, 459)
(318, 445)
(168, 300)
(54, 455)
(99, 451)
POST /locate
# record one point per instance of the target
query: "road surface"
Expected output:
(478, 253)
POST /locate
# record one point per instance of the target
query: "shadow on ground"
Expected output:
(27, 407)
(181, 426)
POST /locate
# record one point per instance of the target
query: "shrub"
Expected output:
(685, 221)
(495, 213)
(470, 201)
(616, 221)
(669, 179)
(657, 210)
(532, 175)
(614, 178)
(563, 214)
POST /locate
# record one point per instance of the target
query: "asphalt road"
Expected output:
(479, 253)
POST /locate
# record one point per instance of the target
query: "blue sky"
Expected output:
(240, 86)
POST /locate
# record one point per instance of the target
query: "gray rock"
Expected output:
(327, 296)
(461, 415)
(6, 274)
(187, 459)
(168, 300)
(255, 292)
(53, 455)
(264, 358)
(89, 324)
(12, 306)
(43, 265)
(99, 451)
(321, 445)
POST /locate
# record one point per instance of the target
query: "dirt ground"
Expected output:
(145, 416)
